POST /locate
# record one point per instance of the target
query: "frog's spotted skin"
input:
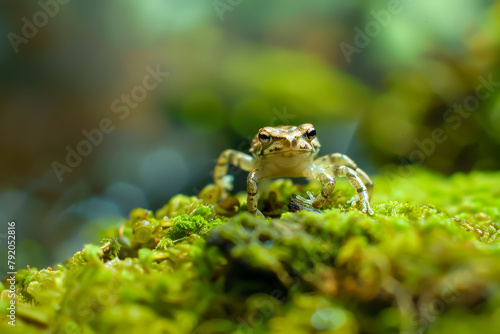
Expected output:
(290, 151)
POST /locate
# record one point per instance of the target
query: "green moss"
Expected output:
(164, 244)
(427, 260)
(185, 225)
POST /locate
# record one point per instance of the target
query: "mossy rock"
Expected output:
(428, 260)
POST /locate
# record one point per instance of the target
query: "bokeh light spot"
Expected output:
(163, 172)
(328, 318)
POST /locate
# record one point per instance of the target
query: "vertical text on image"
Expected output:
(11, 274)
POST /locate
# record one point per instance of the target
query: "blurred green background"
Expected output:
(381, 80)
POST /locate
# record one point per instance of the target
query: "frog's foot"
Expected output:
(353, 201)
(298, 203)
(365, 205)
(309, 200)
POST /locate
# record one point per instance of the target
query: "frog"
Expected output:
(291, 151)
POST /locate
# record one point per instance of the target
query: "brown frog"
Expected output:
(290, 151)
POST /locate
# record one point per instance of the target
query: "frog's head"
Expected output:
(287, 141)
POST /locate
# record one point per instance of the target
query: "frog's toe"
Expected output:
(366, 208)
(306, 200)
(353, 201)
(296, 203)
(311, 196)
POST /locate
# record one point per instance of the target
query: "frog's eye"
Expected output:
(311, 133)
(264, 138)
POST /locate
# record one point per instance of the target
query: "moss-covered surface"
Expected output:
(427, 261)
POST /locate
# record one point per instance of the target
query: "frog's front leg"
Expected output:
(253, 180)
(329, 184)
(357, 184)
(223, 181)
(344, 160)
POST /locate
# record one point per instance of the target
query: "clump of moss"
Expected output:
(185, 225)
(189, 226)
(428, 260)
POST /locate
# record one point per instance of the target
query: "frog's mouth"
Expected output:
(290, 152)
